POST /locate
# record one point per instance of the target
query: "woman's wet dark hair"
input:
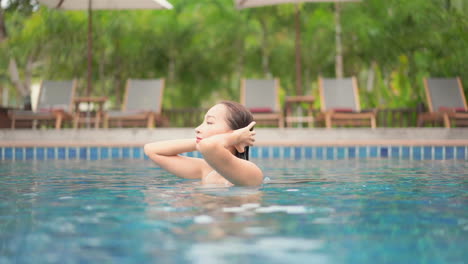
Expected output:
(238, 116)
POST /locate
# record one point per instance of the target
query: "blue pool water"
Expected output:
(129, 211)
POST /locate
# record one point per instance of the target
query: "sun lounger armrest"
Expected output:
(452, 109)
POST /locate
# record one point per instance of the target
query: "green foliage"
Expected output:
(203, 48)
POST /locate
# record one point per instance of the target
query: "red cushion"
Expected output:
(449, 109)
(47, 110)
(343, 110)
(261, 110)
(137, 111)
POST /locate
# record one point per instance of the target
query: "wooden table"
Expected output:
(297, 101)
(89, 115)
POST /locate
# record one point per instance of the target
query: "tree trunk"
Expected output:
(119, 83)
(5, 96)
(102, 75)
(370, 77)
(239, 69)
(298, 53)
(24, 87)
(265, 55)
(3, 32)
(15, 78)
(339, 48)
(89, 87)
(119, 80)
(28, 75)
(171, 68)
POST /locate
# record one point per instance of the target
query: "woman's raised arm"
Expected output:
(166, 155)
(237, 171)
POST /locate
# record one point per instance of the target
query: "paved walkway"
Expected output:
(265, 136)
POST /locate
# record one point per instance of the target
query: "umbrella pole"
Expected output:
(298, 53)
(90, 46)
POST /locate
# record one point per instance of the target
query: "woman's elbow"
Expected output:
(256, 181)
(250, 183)
(146, 149)
(253, 180)
(152, 153)
(150, 149)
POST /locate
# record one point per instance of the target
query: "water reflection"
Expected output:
(200, 208)
(133, 209)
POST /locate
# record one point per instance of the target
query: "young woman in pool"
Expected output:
(223, 139)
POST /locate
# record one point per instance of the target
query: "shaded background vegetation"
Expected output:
(203, 48)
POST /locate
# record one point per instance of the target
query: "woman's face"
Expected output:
(214, 123)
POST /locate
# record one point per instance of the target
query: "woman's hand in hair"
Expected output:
(244, 137)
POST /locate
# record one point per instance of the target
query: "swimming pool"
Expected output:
(99, 152)
(371, 210)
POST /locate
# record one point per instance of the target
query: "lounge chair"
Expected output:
(446, 102)
(142, 104)
(340, 104)
(261, 97)
(55, 103)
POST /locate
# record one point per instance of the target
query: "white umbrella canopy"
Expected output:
(257, 3)
(107, 4)
(240, 4)
(102, 5)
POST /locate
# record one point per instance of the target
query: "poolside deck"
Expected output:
(265, 136)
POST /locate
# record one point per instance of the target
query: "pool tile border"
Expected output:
(422, 152)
